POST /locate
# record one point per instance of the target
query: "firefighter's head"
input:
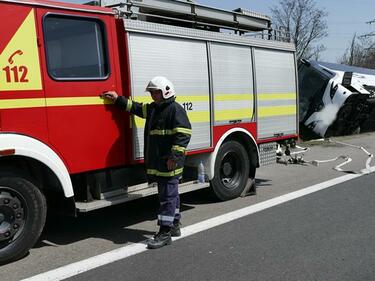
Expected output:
(160, 86)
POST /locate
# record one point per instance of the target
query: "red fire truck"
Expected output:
(65, 149)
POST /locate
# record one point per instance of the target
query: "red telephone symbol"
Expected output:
(18, 52)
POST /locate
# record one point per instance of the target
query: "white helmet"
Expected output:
(163, 84)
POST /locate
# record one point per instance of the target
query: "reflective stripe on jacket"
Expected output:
(166, 135)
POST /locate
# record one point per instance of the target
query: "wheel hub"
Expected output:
(11, 215)
(227, 169)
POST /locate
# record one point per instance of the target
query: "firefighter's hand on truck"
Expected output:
(111, 95)
(171, 164)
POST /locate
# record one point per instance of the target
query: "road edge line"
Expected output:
(82, 266)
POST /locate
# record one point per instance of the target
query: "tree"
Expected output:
(361, 52)
(306, 24)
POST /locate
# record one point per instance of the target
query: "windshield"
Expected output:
(311, 88)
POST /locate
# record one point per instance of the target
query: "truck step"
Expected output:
(84, 207)
(267, 153)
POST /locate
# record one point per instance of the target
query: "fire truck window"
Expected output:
(75, 48)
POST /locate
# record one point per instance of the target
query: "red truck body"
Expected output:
(61, 143)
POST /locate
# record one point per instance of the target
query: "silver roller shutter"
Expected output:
(232, 83)
(276, 93)
(184, 62)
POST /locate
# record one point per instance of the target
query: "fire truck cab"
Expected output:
(65, 149)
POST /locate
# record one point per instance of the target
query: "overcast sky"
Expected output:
(345, 18)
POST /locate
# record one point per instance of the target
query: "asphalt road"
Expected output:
(68, 240)
(328, 235)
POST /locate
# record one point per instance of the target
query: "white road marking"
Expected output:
(130, 250)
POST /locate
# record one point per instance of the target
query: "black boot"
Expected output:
(175, 229)
(162, 238)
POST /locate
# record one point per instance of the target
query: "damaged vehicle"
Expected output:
(335, 99)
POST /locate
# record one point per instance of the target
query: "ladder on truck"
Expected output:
(193, 15)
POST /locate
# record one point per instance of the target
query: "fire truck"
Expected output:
(66, 149)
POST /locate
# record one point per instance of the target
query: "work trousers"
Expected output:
(169, 199)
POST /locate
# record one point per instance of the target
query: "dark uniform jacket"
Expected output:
(166, 135)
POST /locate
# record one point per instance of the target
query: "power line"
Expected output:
(371, 33)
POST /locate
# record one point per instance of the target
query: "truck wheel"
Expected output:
(231, 171)
(22, 216)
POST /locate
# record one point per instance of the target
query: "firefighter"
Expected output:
(166, 135)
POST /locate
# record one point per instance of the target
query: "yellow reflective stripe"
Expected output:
(203, 98)
(270, 96)
(178, 148)
(277, 111)
(129, 105)
(194, 117)
(165, 174)
(170, 132)
(232, 114)
(198, 116)
(223, 97)
(227, 97)
(160, 132)
(234, 97)
(139, 122)
(145, 99)
(22, 103)
(182, 130)
(41, 102)
(144, 110)
(77, 101)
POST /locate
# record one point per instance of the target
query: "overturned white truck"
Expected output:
(335, 99)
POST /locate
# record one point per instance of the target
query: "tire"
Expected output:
(232, 167)
(23, 212)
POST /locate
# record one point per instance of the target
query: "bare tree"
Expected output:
(306, 24)
(361, 52)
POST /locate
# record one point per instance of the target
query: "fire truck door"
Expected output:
(79, 66)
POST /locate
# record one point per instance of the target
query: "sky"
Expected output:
(345, 18)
